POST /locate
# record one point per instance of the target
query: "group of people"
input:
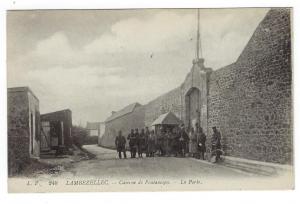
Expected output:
(180, 142)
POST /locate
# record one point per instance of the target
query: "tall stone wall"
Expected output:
(250, 100)
(170, 101)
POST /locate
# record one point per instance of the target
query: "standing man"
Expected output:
(141, 141)
(160, 142)
(151, 144)
(167, 142)
(193, 142)
(175, 141)
(201, 142)
(216, 143)
(132, 143)
(147, 135)
(120, 143)
(183, 141)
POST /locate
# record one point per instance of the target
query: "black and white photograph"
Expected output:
(149, 99)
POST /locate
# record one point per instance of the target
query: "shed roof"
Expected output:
(168, 118)
(128, 109)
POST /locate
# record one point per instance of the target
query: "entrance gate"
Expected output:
(192, 101)
(52, 135)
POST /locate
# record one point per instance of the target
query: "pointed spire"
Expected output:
(198, 46)
(199, 58)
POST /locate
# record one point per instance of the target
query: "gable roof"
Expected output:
(93, 125)
(128, 109)
(168, 118)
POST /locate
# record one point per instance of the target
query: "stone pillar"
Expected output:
(197, 78)
(204, 76)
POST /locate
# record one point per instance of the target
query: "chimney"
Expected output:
(113, 112)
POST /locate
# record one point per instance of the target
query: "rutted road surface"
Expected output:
(106, 164)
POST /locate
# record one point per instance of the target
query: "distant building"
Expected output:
(130, 117)
(56, 130)
(93, 129)
(96, 129)
(23, 127)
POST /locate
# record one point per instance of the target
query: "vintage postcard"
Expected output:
(149, 100)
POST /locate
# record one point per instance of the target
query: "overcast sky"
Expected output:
(96, 61)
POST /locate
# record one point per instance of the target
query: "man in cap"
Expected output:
(183, 141)
(151, 144)
(132, 143)
(138, 143)
(120, 143)
(141, 143)
(147, 135)
(216, 143)
(160, 141)
(201, 139)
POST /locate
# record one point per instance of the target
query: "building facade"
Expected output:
(130, 117)
(93, 129)
(23, 128)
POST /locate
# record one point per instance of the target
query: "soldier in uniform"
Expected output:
(160, 142)
(175, 141)
(193, 142)
(201, 137)
(141, 142)
(147, 134)
(183, 141)
(120, 143)
(132, 143)
(167, 142)
(151, 144)
(216, 143)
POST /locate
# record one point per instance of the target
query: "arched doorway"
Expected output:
(192, 107)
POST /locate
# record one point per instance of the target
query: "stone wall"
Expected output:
(132, 120)
(21, 103)
(170, 101)
(176, 99)
(250, 100)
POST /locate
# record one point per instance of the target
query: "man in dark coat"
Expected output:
(132, 143)
(120, 143)
(151, 144)
(201, 137)
(175, 141)
(216, 143)
(183, 141)
(168, 142)
(147, 134)
(141, 141)
(160, 142)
